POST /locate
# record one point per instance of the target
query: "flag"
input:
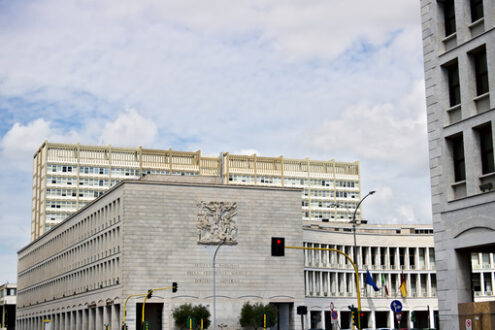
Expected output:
(369, 281)
(403, 289)
(384, 285)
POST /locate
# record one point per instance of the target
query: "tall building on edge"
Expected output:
(459, 63)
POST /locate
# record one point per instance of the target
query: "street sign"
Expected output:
(469, 324)
(332, 306)
(396, 306)
(334, 315)
(398, 316)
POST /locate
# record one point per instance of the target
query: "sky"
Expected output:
(321, 79)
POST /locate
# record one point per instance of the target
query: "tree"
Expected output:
(184, 311)
(252, 315)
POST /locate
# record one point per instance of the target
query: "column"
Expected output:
(427, 258)
(345, 282)
(406, 258)
(99, 318)
(320, 287)
(306, 277)
(91, 318)
(432, 318)
(73, 323)
(114, 317)
(387, 257)
(106, 315)
(408, 283)
(482, 283)
(323, 319)
(428, 285)
(391, 320)
(85, 319)
(67, 321)
(397, 258)
(78, 320)
(372, 319)
(416, 258)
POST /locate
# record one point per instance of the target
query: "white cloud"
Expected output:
(381, 132)
(129, 129)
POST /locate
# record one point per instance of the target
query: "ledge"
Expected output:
(481, 97)
(450, 37)
(476, 23)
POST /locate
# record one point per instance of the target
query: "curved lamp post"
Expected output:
(354, 224)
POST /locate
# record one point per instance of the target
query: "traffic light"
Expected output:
(413, 316)
(150, 293)
(354, 314)
(174, 286)
(124, 326)
(278, 246)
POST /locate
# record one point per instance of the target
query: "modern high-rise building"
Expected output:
(459, 63)
(66, 177)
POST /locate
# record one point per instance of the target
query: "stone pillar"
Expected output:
(67, 320)
(372, 319)
(99, 318)
(84, 321)
(306, 277)
(91, 318)
(323, 319)
(432, 318)
(106, 315)
(406, 258)
(482, 282)
(391, 320)
(114, 317)
(427, 258)
(73, 323)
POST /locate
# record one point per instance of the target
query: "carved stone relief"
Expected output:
(217, 221)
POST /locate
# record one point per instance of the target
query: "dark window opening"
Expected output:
(481, 72)
(454, 84)
(486, 148)
(449, 17)
(457, 144)
(476, 10)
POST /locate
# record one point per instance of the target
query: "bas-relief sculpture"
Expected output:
(217, 222)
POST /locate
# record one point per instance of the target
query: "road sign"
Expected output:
(469, 324)
(335, 315)
(332, 306)
(396, 306)
(398, 316)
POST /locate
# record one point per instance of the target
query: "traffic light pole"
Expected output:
(358, 290)
(148, 294)
(127, 299)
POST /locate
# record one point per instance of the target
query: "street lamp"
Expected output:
(354, 224)
(215, 286)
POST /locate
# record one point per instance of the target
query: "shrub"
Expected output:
(198, 312)
(252, 315)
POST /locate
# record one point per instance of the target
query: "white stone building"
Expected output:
(148, 233)
(459, 61)
(387, 251)
(66, 177)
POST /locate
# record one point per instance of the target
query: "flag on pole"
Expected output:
(369, 281)
(403, 288)
(384, 285)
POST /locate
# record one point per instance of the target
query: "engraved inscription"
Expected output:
(217, 222)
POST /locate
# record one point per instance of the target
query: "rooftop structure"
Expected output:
(66, 177)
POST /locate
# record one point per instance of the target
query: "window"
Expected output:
(457, 144)
(476, 10)
(449, 17)
(486, 148)
(454, 85)
(481, 72)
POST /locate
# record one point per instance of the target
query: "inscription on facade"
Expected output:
(225, 273)
(217, 222)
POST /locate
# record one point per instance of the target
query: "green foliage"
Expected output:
(252, 315)
(199, 312)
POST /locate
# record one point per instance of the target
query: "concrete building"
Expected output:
(66, 177)
(459, 60)
(8, 295)
(387, 251)
(148, 233)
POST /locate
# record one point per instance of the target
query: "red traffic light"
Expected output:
(278, 246)
(362, 314)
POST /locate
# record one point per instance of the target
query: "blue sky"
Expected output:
(321, 79)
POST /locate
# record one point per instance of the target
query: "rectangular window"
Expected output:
(481, 72)
(476, 10)
(457, 144)
(449, 17)
(454, 85)
(486, 148)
